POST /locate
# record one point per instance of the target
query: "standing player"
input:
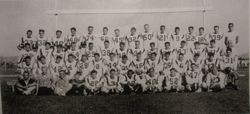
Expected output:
(117, 39)
(162, 37)
(90, 51)
(232, 36)
(167, 49)
(104, 37)
(72, 38)
(218, 37)
(121, 51)
(147, 36)
(27, 39)
(58, 40)
(212, 48)
(133, 51)
(90, 37)
(133, 37)
(190, 37)
(71, 65)
(202, 38)
(177, 37)
(58, 51)
(41, 40)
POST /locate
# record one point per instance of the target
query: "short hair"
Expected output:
(163, 26)
(153, 53)
(231, 24)
(47, 43)
(111, 53)
(93, 71)
(173, 69)
(201, 28)
(167, 53)
(91, 43)
(193, 64)
(112, 70)
(73, 28)
(78, 73)
(116, 30)
(29, 31)
(90, 27)
(41, 30)
(58, 57)
(229, 49)
(212, 41)
(130, 71)
(124, 57)
(26, 72)
(105, 28)
(196, 42)
(96, 54)
(59, 46)
(27, 44)
(177, 28)
(191, 27)
(216, 26)
(71, 55)
(106, 41)
(42, 57)
(167, 43)
(133, 28)
(183, 41)
(122, 43)
(181, 54)
(210, 54)
(196, 55)
(58, 31)
(146, 25)
(152, 43)
(27, 57)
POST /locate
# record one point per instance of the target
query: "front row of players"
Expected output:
(172, 79)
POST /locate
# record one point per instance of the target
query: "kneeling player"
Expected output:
(93, 83)
(215, 80)
(127, 82)
(140, 82)
(111, 83)
(173, 81)
(62, 85)
(194, 79)
(153, 81)
(77, 84)
(26, 86)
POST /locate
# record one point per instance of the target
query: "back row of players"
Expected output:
(191, 56)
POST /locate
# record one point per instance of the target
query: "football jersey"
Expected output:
(156, 50)
(202, 39)
(138, 65)
(31, 40)
(71, 67)
(42, 41)
(112, 81)
(173, 80)
(183, 50)
(26, 67)
(194, 76)
(229, 61)
(190, 39)
(198, 62)
(214, 50)
(116, 40)
(210, 63)
(149, 63)
(57, 67)
(71, 39)
(120, 53)
(127, 79)
(132, 38)
(43, 68)
(123, 67)
(93, 82)
(91, 53)
(111, 64)
(219, 39)
(56, 53)
(75, 52)
(166, 65)
(134, 51)
(58, 41)
(98, 65)
(164, 50)
(46, 52)
(216, 78)
(85, 67)
(105, 52)
(140, 79)
(152, 80)
(176, 40)
(199, 51)
(147, 39)
(162, 38)
(231, 37)
(181, 66)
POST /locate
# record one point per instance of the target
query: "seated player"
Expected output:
(46, 50)
(197, 50)
(74, 50)
(26, 86)
(41, 67)
(27, 65)
(215, 80)
(90, 51)
(58, 51)
(166, 63)
(93, 84)
(122, 50)
(26, 52)
(127, 82)
(181, 65)
(57, 65)
(167, 48)
(197, 59)
(213, 49)
(71, 65)
(124, 65)
(62, 85)
(173, 81)
(136, 49)
(138, 64)
(111, 62)
(210, 62)
(229, 66)
(84, 66)
(105, 36)
(106, 50)
(77, 83)
(153, 81)
(98, 65)
(194, 79)
(140, 82)
(111, 83)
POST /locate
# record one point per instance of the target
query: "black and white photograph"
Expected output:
(124, 56)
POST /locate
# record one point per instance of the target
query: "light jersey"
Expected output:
(112, 82)
(93, 82)
(149, 63)
(134, 51)
(214, 50)
(24, 53)
(112, 64)
(173, 80)
(216, 79)
(202, 39)
(190, 39)
(42, 41)
(123, 67)
(176, 40)
(71, 39)
(57, 67)
(210, 63)
(198, 62)
(199, 51)
(103, 38)
(91, 53)
(98, 66)
(120, 53)
(229, 61)
(166, 65)
(219, 39)
(164, 50)
(132, 38)
(181, 66)
(194, 76)
(162, 38)
(71, 67)
(25, 67)
(58, 41)
(183, 50)
(85, 67)
(231, 37)
(106, 51)
(140, 79)
(90, 37)
(153, 80)
(156, 50)
(127, 79)
(46, 52)
(116, 40)
(31, 40)
(56, 53)
(75, 52)
(147, 39)
(44, 80)
(43, 68)
(138, 65)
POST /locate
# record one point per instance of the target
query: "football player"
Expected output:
(202, 38)
(138, 64)
(111, 62)
(152, 62)
(58, 40)
(177, 37)
(71, 65)
(133, 51)
(77, 82)
(117, 39)
(84, 65)
(111, 83)
(124, 65)
(57, 65)
(133, 37)
(26, 86)
(127, 82)
(218, 37)
(173, 81)
(153, 81)
(106, 50)
(62, 85)
(93, 83)
(105, 36)
(162, 37)
(41, 40)
(122, 50)
(197, 50)
(73, 50)
(194, 79)
(190, 37)
(167, 49)
(72, 38)
(212, 48)
(147, 36)
(98, 65)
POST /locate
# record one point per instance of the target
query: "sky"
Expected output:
(17, 16)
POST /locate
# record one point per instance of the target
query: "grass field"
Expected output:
(227, 101)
